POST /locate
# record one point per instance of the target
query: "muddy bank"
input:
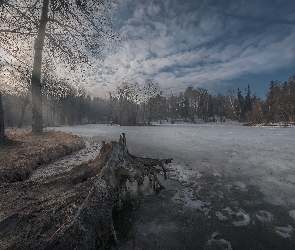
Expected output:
(24, 152)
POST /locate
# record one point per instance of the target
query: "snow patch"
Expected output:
(264, 216)
(185, 196)
(216, 242)
(221, 216)
(241, 186)
(245, 219)
(284, 231)
(229, 211)
(68, 162)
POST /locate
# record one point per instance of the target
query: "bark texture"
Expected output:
(2, 128)
(72, 210)
(37, 120)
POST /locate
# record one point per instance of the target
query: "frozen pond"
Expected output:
(234, 186)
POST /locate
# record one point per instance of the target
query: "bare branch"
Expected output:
(17, 32)
(21, 13)
(59, 45)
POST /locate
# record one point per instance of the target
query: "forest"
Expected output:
(141, 104)
(44, 69)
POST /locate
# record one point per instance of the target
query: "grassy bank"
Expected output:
(24, 151)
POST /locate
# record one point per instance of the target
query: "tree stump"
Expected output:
(72, 210)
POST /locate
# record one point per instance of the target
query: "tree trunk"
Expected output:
(24, 107)
(37, 120)
(2, 129)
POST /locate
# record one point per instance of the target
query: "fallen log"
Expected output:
(73, 210)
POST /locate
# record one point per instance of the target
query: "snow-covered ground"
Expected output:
(232, 186)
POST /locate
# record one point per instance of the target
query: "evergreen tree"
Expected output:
(248, 101)
(240, 107)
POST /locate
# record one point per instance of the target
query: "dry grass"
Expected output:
(24, 151)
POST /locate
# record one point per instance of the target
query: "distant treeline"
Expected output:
(135, 104)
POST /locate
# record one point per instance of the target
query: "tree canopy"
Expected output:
(65, 32)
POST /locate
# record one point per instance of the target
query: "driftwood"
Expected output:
(73, 210)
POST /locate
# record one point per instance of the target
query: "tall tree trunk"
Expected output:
(2, 129)
(37, 120)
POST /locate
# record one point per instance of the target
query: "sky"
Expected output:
(217, 45)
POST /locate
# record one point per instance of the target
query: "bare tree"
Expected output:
(70, 30)
(150, 90)
(127, 95)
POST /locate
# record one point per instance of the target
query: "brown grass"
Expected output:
(24, 151)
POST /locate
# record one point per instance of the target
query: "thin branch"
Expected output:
(17, 32)
(21, 13)
(67, 27)
(58, 44)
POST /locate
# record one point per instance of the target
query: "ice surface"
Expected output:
(183, 175)
(214, 162)
(220, 216)
(186, 197)
(261, 156)
(241, 186)
(285, 231)
(232, 216)
(292, 214)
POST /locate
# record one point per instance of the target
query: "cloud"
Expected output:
(178, 43)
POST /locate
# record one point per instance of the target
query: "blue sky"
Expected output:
(216, 45)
